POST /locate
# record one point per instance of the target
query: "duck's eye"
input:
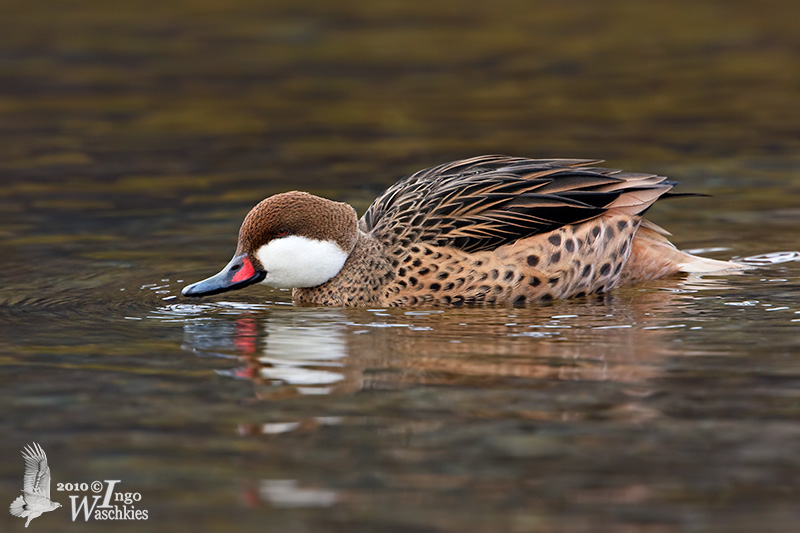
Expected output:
(283, 232)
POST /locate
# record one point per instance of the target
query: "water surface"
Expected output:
(133, 139)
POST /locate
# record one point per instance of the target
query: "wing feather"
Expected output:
(488, 201)
(37, 474)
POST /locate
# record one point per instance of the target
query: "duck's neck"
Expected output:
(360, 282)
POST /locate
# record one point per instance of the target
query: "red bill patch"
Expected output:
(246, 272)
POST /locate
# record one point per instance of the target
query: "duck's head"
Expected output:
(289, 240)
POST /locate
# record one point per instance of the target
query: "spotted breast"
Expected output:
(487, 230)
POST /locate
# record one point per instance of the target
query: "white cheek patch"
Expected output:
(297, 261)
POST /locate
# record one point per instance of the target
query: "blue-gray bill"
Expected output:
(238, 273)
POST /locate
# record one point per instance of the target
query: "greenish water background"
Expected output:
(135, 136)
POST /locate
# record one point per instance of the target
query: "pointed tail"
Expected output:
(653, 256)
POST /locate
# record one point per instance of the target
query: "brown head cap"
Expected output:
(298, 213)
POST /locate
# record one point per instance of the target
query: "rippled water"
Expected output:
(134, 139)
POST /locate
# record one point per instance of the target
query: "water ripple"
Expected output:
(772, 258)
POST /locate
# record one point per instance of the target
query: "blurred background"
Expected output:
(302, 92)
(134, 136)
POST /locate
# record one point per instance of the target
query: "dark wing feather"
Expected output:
(488, 201)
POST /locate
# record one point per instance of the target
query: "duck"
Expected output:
(489, 230)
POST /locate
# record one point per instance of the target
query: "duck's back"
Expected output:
(504, 230)
(483, 203)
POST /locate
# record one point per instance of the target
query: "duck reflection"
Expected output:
(287, 493)
(289, 351)
(310, 358)
(304, 351)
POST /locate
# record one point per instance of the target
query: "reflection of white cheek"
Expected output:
(301, 354)
(297, 261)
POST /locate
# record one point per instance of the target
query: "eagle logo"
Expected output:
(35, 498)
